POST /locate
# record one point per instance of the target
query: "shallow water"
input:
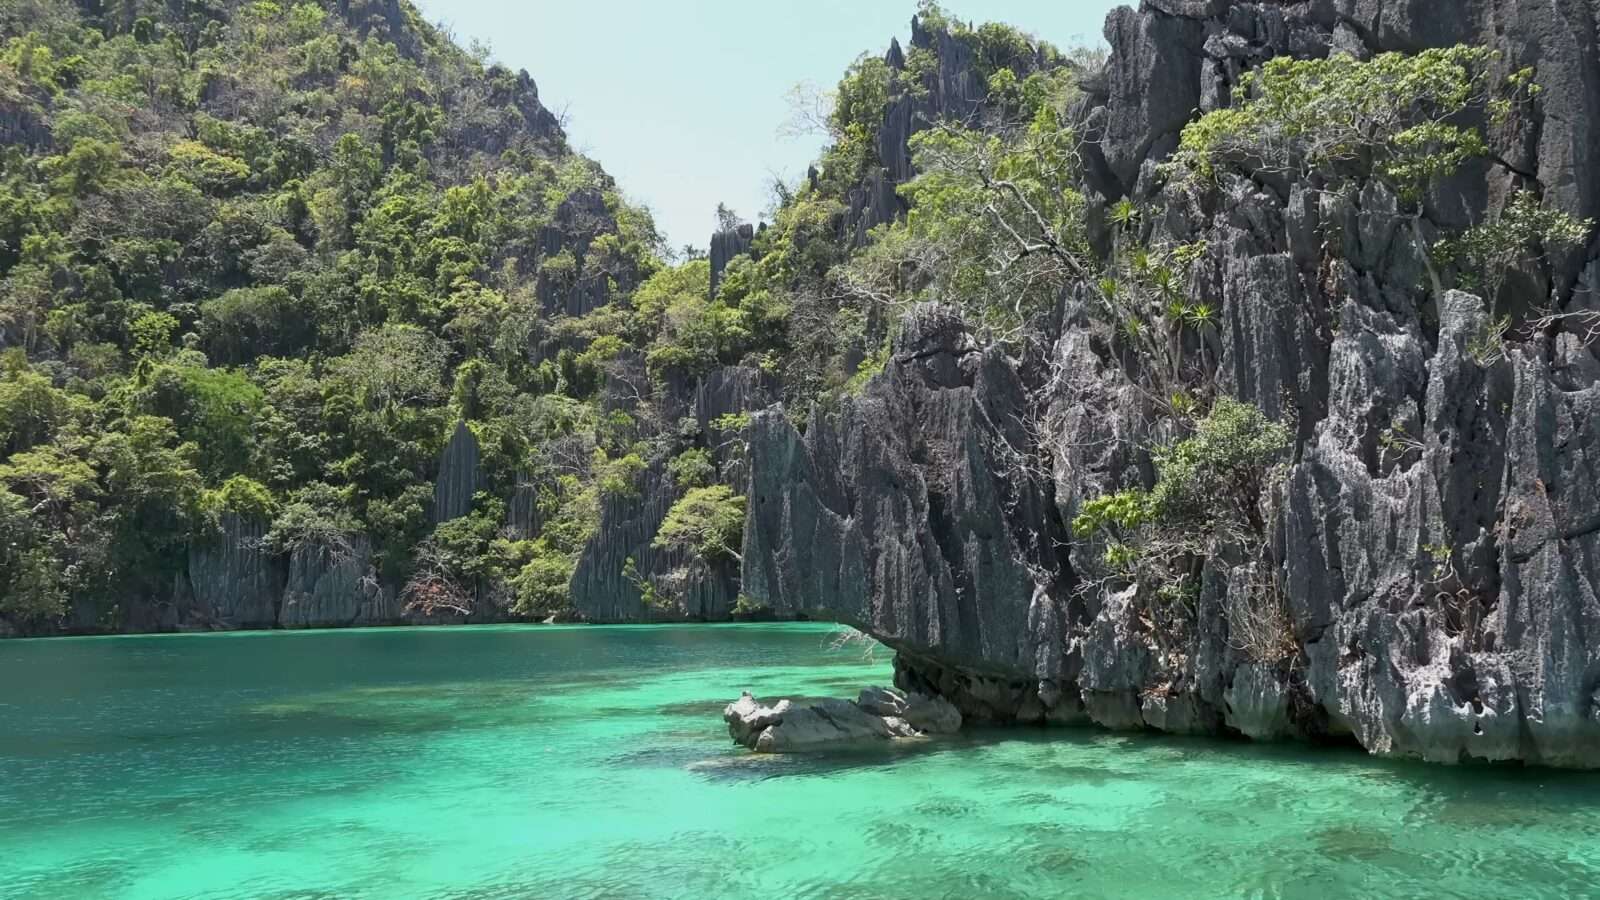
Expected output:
(592, 762)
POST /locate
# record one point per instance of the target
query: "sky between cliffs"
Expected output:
(682, 102)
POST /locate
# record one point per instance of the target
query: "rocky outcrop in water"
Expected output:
(335, 587)
(901, 516)
(879, 714)
(1440, 587)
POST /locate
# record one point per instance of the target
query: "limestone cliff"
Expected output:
(601, 592)
(1442, 596)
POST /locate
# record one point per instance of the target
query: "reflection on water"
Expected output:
(558, 762)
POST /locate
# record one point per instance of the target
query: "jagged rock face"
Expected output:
(725, 247)
(954, 91)
(494, 134)
(1440, 585)
(1152, 89)
(460, 476)
(335, 587)
(579, 219)
(906, 516)
(628, 524)
(1174, 56)
(233, 581)
(523, 518)
(21, 124)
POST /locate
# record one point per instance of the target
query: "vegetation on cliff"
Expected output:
(259, 258)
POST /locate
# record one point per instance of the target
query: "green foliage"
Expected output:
(217, 409)
(316, 519)
(858, 110)
(693, 468)
(1122, 511)
(152, 334)
(1209, 487)
(542, 584)
(618, 477)
(1211, 498)
(1523, 233)
(242, 496)
(730, 423)
(690, 333)
(1393, 116)
(246, 323)
(274, 251)
(1220, 473)
(33, 586)
(256, 223)
(572, 516)
(1399, 118)
(32, 410)
(996, 224)
(707, 522)
(462, 551)
(212, 172)
(395, 365)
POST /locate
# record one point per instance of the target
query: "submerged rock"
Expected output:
(879, 714)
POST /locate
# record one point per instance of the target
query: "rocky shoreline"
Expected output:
(1441, 585)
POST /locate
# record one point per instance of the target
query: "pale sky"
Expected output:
(682, 101)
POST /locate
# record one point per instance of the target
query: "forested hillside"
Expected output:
(256, 262)
(259, 261)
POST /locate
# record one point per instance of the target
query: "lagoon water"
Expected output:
(592, 762)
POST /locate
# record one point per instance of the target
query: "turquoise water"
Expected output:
(592, 762)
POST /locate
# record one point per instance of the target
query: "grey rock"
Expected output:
(725, 246)
(880, 518)
(23, 122)
(881, 714)
(460, 476)
(931, 715)
(1154, 88)
(1435, 536)
(628, 524)
(1258, 703)
(234, 582)
(335, 587)
(883, 701)
(522, 511)
(906, 516)
(579, 219)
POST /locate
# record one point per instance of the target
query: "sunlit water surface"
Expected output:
(592, 762)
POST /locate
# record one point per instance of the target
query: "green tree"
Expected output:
(707, 522)
(1401, 119)
(246, 323)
